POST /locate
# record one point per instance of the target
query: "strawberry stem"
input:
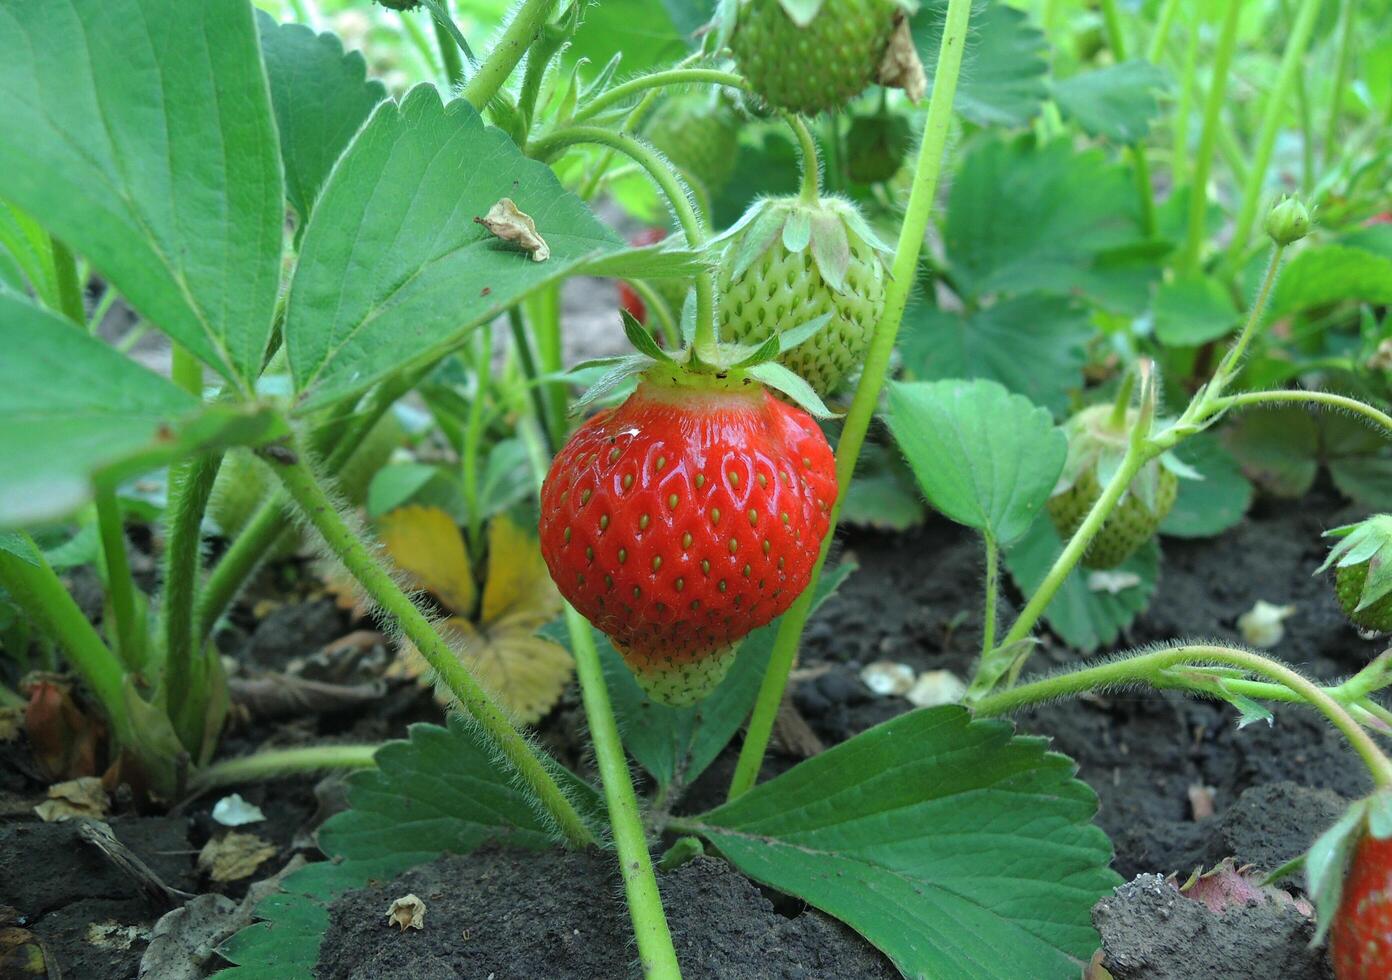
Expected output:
(811, 169)
(630, 839)
(506, 52)
(1208, 139)
(658, 79)
(902, 279)
(346, 544)
(1150, 668)
(274, 763)
(1326, 398)
(678, 199)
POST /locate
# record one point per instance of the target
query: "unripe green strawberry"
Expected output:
(788, 262)
(685, 518)
(875, 147)
(808, 58)
(700, 136)
(1095, 444)
(1363, 572)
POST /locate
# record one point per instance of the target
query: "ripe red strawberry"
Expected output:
(683, 519)
(1361, 941)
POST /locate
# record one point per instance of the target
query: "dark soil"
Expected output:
(515, 915)
(916, 599)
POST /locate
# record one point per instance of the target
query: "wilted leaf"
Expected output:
(82, 797)
(234, 856)
(426, 543)
(406, 912)
(511, 224)
(501, 648)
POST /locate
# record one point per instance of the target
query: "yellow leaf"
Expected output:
(426, 543)
(234, 856)
(526, 672)
(518, 586)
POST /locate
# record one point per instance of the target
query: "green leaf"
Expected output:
(1193, 310)
(440, 791)
(1003, 67)
(1359, 458)
(1278, 449)
(1035, 345)
(957, 849)
(1085, 617)
(72, 411)
(1328, 274)
(676, 745)
(645, 34)
(321, 98)
(984, 457)
(884, 493)
(394, 270)
(1022, 217)
(1209, 506)
(140, 133)
(1118, 102)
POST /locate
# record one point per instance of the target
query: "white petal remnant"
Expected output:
(511, 224)
(233, 811)
(407, 912)
(884, 677)
(1263, 624)
(935, 687)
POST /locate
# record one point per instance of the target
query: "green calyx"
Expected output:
(1362, 561)
(729, 367)
(790, 262)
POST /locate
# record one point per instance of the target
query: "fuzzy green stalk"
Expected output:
(191, 483)
(1148, 668)
(270, 523)
(1179, 162)
(275, 763)
(1137, 455)
(473, 441)
(1276, 101)
(1296, 396)
(449, 40)
(1347, 13)
(1212, 120)
(650, 160)
(807, 147)
(1231, 361)
(1145, 193)
(655, 952)
(543, 316)
(867, 395)
(1163, 24)
(120, 585)
(507, 51)
(1231, 152)
(523, 346)
(419, 41)
(643, 83)
(1307, 135)
(988, 615)
(36, 588)
(316, 506)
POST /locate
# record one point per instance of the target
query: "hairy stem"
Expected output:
(523, 345)
(1163, 23)
(1136, 457)
(274, 763)
(988, 616)
(314, 503)
(1145, 193)
(925, 183)
(191, 483)
(507, 52)
(1328, 399)
(120, 585)
(1276, 100)
(655, 950)
(1147, 668)
(643, 83)
(1347, 11)
(1212, 120)
(449, 40)
(662, 175)
(811, 170)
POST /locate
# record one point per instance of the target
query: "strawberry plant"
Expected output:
(284, 319)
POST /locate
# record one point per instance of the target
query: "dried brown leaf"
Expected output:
(407, 912)
(511, 224)
(234, 856)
